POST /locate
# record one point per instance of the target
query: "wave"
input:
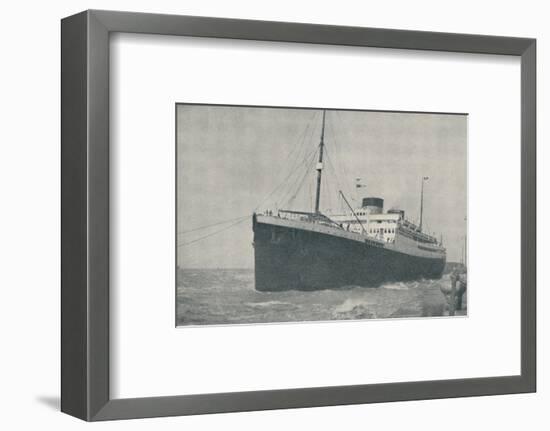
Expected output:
(266, 304)
(397, 286)
(407, 285)
(353, 308)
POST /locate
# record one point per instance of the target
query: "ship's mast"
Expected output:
(320, 166)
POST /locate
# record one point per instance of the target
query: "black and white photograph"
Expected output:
(318, 214)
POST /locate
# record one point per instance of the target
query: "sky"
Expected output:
(232, 161)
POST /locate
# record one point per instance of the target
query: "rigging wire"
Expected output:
(351, 189)
(326, 192)
(301, 162)
(295, 165)
(301, 141)
(211, 234)
(284, 196)
(183, 232)
(332, 189)
(310, 197)
(309, 166)
(306, 163)
(302, 148)
(340, 152)
(331, 166)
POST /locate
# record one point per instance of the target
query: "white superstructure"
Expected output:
(379, 226)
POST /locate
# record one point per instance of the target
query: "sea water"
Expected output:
(227, 296)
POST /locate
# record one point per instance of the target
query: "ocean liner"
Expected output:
(365, 246)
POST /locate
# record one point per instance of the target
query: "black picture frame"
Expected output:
(85, 214)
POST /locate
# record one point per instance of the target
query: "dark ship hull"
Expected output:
(293, 256)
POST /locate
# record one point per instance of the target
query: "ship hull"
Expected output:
(292, 258)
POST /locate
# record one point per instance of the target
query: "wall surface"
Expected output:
(30, 216)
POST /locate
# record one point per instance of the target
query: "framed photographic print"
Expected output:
(263, 215)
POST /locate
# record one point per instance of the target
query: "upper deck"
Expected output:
(384, 226)
(385, 232)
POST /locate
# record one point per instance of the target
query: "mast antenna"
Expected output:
(320, 166)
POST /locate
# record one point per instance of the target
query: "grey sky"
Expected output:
(232, 159)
